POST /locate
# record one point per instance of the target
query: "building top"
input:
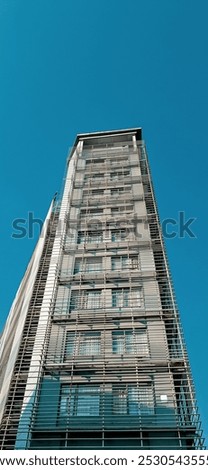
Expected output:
(102, 134)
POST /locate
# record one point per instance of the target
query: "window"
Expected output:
(95, 237)
(93, 299)
(123, 189)
(95, 160)
(87, 265)
(94, 177)
(114, 176)
(133, 262)
(130, 342)
(81, 238)
(133, 400)
(98, 160)
(89, 343)
(124, 262)
(118, 161)
(120, 297)
(92, 193)
(75, 301)
(82, 343)
(90, 237)
(98, 176)
(125, 297)
(118, 175)
(97, 192)
(126, 209)
(85, 299)
(93, 264)
(93, 212)
(79, 400)
(119, 263)
(118, 235)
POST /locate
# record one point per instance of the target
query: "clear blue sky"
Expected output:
(69, 67)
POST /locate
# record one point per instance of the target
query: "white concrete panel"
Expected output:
(26, 292)
(50, 289)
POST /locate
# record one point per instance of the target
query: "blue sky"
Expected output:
(72, 67)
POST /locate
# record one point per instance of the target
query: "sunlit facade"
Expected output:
(92, 354)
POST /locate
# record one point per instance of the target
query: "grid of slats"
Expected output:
(116, 364)
(13, 408)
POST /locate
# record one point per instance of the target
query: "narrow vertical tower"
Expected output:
(92, 354)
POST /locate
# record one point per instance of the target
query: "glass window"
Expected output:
(118, 235)
(95, 160)
(133, 262)
(91, 211)
(119, 262)
(98, 160)
(118, 175)
(98, 176)
(94, 177)
(120, 297)
(133, 400)
(92, 193)
(78, 267)
(125, 297)
(114, 176)
(69, 349)
(141, 345)
(93, 299)
(124, 262)
(126, 209)
(120, 400)
(85, 299)
(130, 342)
(118, 161)
(90, 237)
(79, 400)
(89, 343)
(81, 238)
(123, 189)
(97, 192)
(75, 301)
(86, 265)
(82, 343)
(93, 264)
(95, 237)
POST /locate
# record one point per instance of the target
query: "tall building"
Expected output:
(92, 354)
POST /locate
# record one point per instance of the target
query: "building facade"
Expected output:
(92, 354)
